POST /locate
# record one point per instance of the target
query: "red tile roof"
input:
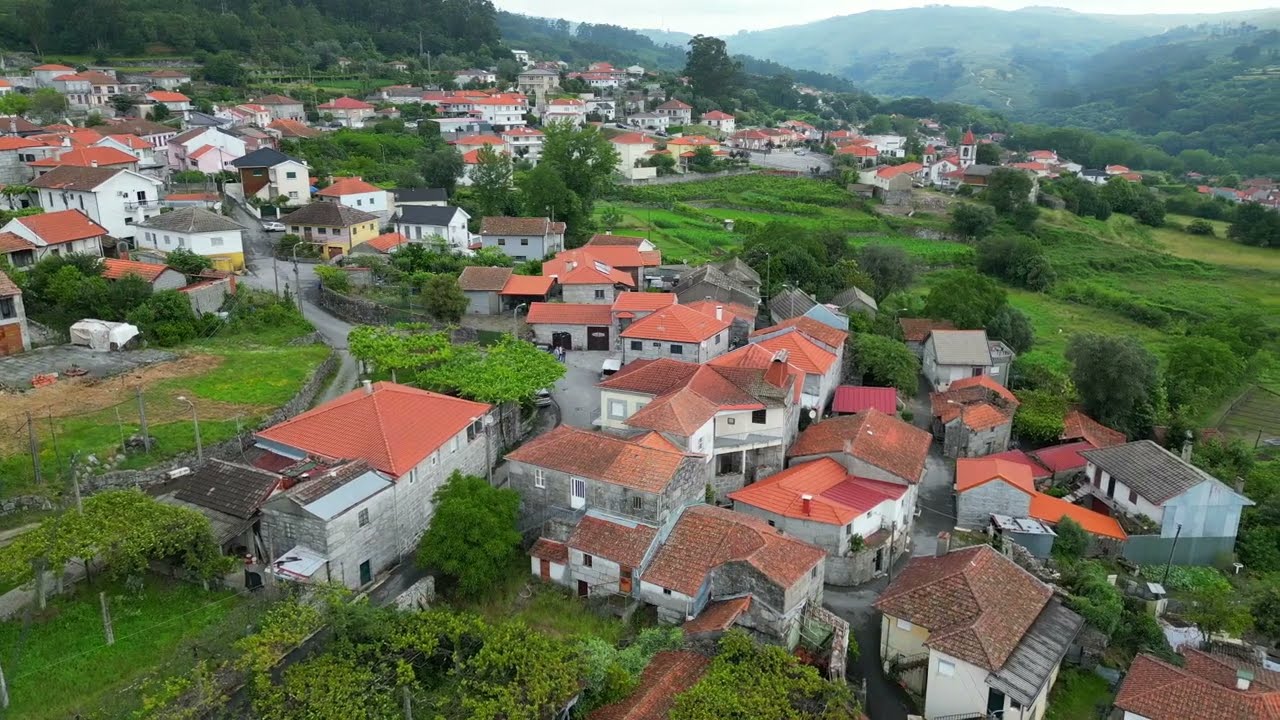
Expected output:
(856, 398)
(717, 617)
(10, 242)
(807, 326)
(676, 323)
(1157, 690)
(836, 497)
(603, 457)
(382, 426)
(707, 537)
(1051, 510)
(113, 269)
(9, 142)
(872, 436)
(642, 301)
(548, 549)
(976, 604)
(858, 151)
(479, 140)
(674, 104)
(568, 314)
(88, 157)
(973, 472)
(165, 96)
(348, 186)
(342, 103)
(717, 115)
(386, 241)
(668, 674)
(979, 402)
(756, 357)
(1038, 471)
(624, 256)
(528, 285)
(692, 141)
(632, 139)
(583, 267)
(918, 329)
(132, 141)
(293, 128)
(801, 352)
(622, 542)
(1061, 458)
(1078, 426)
(62, 226)
(53, 66)
(731, 310)
(7, 287)
(506, 225)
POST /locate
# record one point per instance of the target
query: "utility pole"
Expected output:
(75, 482)
(142, 421)
(1172, 547)
(106, 619)
(33, 441)
(893, 529)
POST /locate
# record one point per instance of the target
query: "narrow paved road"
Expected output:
(266, 273)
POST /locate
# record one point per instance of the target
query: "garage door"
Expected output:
(562, 340)
(598, 338)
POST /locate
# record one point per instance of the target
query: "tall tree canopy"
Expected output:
(710, 69)
(1116, 378)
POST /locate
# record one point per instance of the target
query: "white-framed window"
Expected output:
(539, 478)
(453, 444)
(293, 194)
(167, 241)
(731, 421)
(215, 242)
(946, 668)
(577, 492)
(617, 409)
(902, 624)
(363, 517)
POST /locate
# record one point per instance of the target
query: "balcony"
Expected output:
(748, 440)
(142, 205)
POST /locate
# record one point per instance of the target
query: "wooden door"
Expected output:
(624, 582)
(10, 339)
(583, 588)
(597, 338)
(544, 569)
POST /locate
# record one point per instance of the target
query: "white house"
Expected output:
(815, 348)
(114, 199)
(722, 121)
(44, 74)
(356, 193)
(186, 150)
(27, 240)
(633, 148)
(177, 103)
(649, 121)
(889, 145)
(421, 223)
(678, 113)
(950, 355)
(201, 231)
(570, 110)
(268, 174)
(475, 75)
(525, 142)
(502, 111)
(348, 111)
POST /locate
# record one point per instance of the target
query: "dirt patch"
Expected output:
(934, 203)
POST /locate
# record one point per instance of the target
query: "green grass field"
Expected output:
(60, 666)
(1077, 695)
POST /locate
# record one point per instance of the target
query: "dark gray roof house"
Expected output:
(328, 214)
(191, 220)
(1154, 472)
(790, 303)
(406, 196)
(855, 300)
(435, 215)
(230, 495)
(263, 158)
(709, 281)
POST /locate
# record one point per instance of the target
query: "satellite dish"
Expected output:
(813, 414)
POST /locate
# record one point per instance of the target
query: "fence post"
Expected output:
(142, 422)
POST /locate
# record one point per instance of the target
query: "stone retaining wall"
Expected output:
(361, 311)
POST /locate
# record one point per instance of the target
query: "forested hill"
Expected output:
(279, 31)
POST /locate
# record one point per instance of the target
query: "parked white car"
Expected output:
(273, 226)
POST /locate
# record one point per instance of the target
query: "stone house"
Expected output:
(626, 253)
(16, 153)
(230, 496)
(872, 445)
(631, 306)
(860, 523)
(677, 332)
(815, 348)
(523, 238)
(567, 472)
(789, 304)
(742, 319)
(338, 526)
(369, 424)
(571, 326)
(738, 418)
(988, 486)
(603, 556)
(855, 300)
(1197, 514)
(283, 108)
(949, 355)
(974, 634)
(709, 282)
(14, 335)
(974, 417)
(584, 278)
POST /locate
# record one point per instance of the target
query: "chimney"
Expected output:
(1186, 448)
(1244, 679)
(719, 312)
(806, 503)
(944, 544)
(368, 387)
(93, 163)
(1239, 486)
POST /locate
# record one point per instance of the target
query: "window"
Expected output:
(167, 241)
(946, 668)
(666, 591)
(729, 463)
(1133, 497)
(293, 194)
(295, 230)
(637, 345)
(657, 344)
(524, 241)
(848, 529)
(539, 478)
(453, 444)
(717, 339)
(413, 476)
(364, 517)
(617, 410)
(435, 457)
(599, 294)
(904, 624)
(814, 572)
(773, 524)
(731, 421)
(502, 241)
(182, 242)
(637, 503)
(257, 173)
(128, 221)
(291, 175)
(578, 492)
(81, 199)
(359, 202)
(7, 309)
(586, 560)
(677, 349)
(759, 417)
(215, 242)
(322, 231)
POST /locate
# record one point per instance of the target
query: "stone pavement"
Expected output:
(16, 371)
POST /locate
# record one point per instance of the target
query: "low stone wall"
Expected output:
(360, 311)
(231, 450)
(821, 617)
(859, 568)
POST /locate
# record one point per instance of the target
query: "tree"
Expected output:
(1150, 210)
(711, 72)
(1071, 542)
(1116, 379)
(889, 267)
(1013, 327)
(187, 262)
(1265, 609)
(472, 537)
(441, 167)
(224, 69)
(166, 318)
(1255, 225)
(584, 159)
(703, 160)
(1017, 260)
(160, 112)
(883, 361)
(987, 154)
(403, 347)
(1008, 189)
(509, 371)
(1201, 227)
(48, 105)
(14, 104)
(443, 299)
(1200, 369)
(491, 182)
(972, 221)
(751, 681)
(965, 298)
(121, 103)
(94, 119)
(543, 191)
(1217, 609)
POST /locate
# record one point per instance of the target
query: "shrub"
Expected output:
(1188, 578)
(1201, 227)
(166, 318)
(333, 278)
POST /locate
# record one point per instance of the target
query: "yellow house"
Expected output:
(201, 231)
(333, 226)
(975, 634)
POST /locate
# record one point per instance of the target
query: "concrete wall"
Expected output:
(901, 638)
(586, 294)
(350, 544)
(974, 506)
(543, 332)
(483, 302)
(209, 298)
(656, 349)
(961, 441)
(559, 574)
(963, 690)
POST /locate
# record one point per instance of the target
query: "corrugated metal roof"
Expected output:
(1031, 663)
(348, 495)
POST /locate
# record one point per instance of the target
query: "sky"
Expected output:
(725, 17)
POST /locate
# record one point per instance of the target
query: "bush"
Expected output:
(166, 318)
(333, 278)
(1201, 227)
(1188, 578)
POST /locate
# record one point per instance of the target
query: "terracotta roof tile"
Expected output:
(497, 225)
(386, 241)
(603, 457)
(165, 96)
(532, 285)
(717, 616)
(1038, 471)
(568, 314)
(730, 310)
(850, 399)
(807, 326)
(87, 157)
(972, 472)
(801, 352)
(625, 543)
(976, 604)
(642, 301)
(1078, 426)
(1061, 458)
(918, 329)
(583, 267)
(707, 537)
(624, 256)
(293, 128)
(382, 425)
(632, 139)
(484, 279)
(675, 323)
(113, 269)
(669, 673)
(10, 242)
(550, 550)
(7, 286)
(1157, 690)
(342, 103)
(1051, 510)
(872, 436)
(836, 497)
(62, 226)
(610, 240)
(349, 186)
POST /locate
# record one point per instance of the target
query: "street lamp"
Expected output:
(515, 319)
(297, 283)
(195, 420)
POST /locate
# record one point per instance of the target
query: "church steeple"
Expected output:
(968, 149)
